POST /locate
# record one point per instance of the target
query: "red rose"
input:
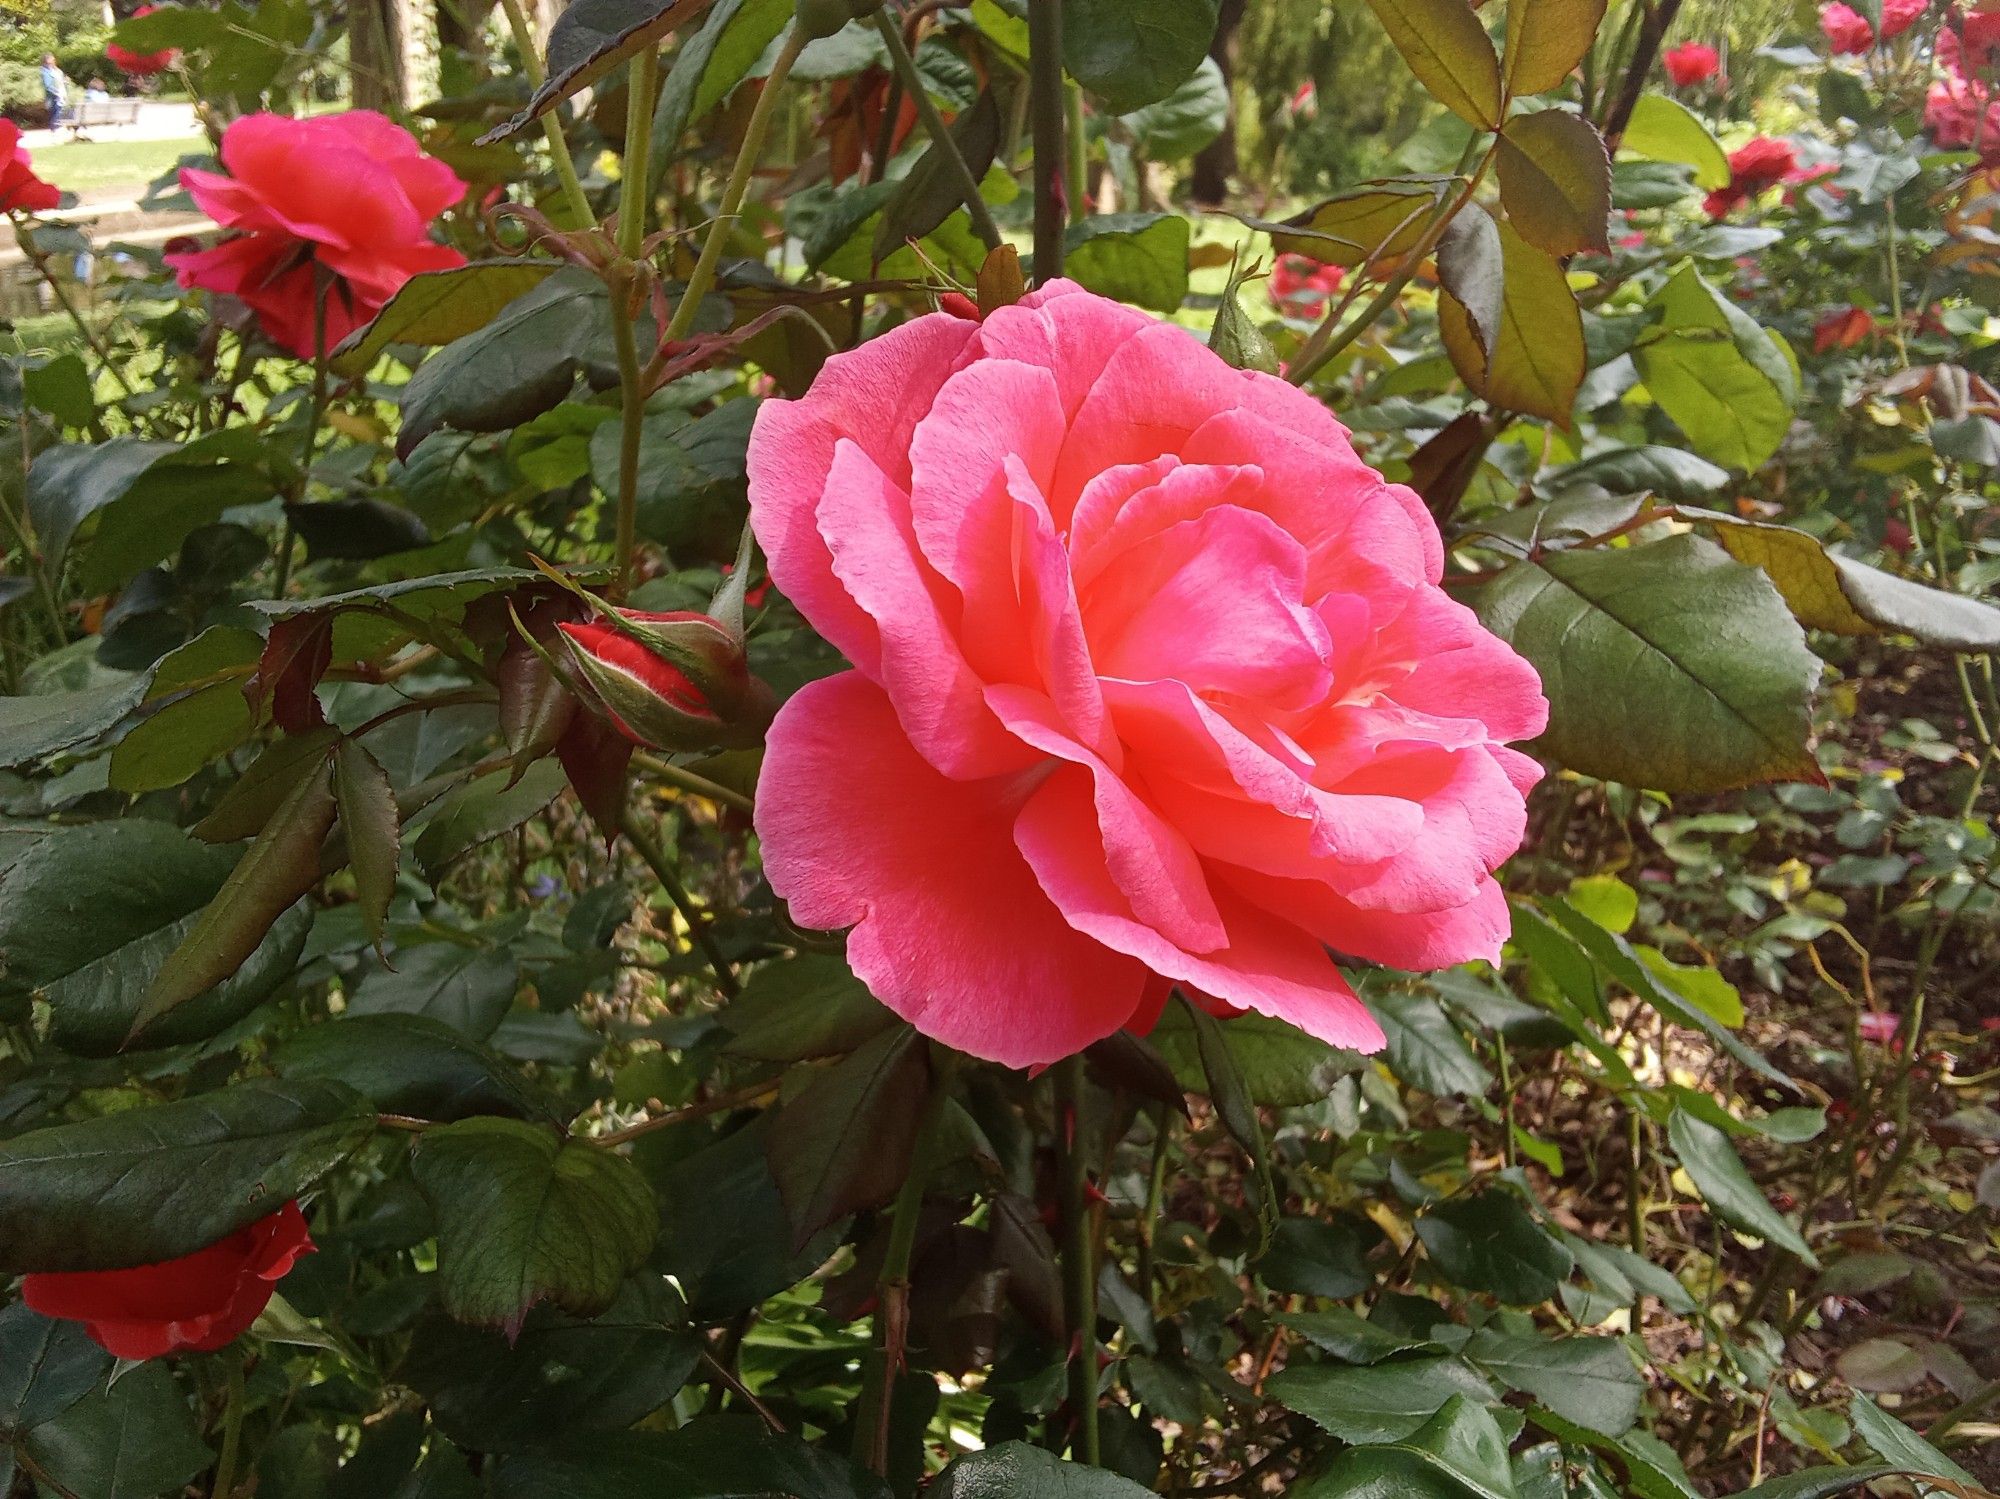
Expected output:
(140, 64)
(1898, 16)
(196, 1303)
(351, 195)
(1300, 285)
(1692, 63)
(21, 191)
(1842, 328)
(1759, 164)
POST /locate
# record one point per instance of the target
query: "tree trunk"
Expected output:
(376, 70)
(1215, 167)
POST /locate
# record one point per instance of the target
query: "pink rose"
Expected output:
(1847, 30)
(1970, 44)
(1960, 112)
(1154, 683)
(350, 194)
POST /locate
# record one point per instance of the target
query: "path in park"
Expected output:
(158, 120)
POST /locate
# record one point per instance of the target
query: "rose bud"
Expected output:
(673, 681)
(197, 1303)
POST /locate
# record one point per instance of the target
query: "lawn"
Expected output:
(110, 169)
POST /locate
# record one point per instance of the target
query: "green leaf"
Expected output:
(1460, 1453)
(1660, 988)
(43, 724)
(1472, 267)
(1448, 50)
(724, 1237)
(136, 1440)
(89, 914)
(1718, 1173)
(1425, 1048)
(710, 64)
(483, 810)
(1386, 1402)
(1319, 1257)
(1652, 1470)
(803, 1008)
(59, 385)
(518, 365)
(280, 866)
(1017, 1470)
(588, 40)
(195, 711)
(1353, 1339)
(157, 1182)
(409, 1064)
(438, 307)
(1590, 1381)
(1131, 53)
(135, 501)
(1894, 1442)
(1187, 120)
(1664, 129)
(526, 1216)
(1141, 258)
(462, 985)
(1539, 355)
(1490, 1243)
(715, 1457)
(846, 1140)
(1669, 666)
(1726, 382)
(1882, 1366)
(1229, 1091)
(1820, 1483)
(1827, 591)
(1546, 39)
(1672, 472)
(1555, 182)
(1376, 219)
(929, 192)
(46, 1366)
(366, 804)
(1281, 1066)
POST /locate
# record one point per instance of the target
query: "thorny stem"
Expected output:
(892, 1316)
(1046, 121)
(721, 1103)
(315, 415)
(942, 140)
(737, 187)
(640, 89)
(552, 131)
(1079, 1269)
(698, 929)
(632, 422)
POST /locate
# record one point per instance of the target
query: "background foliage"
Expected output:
(622, 1185)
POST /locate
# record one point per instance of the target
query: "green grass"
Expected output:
(101, 169)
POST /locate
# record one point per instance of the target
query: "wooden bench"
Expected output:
(85, 113)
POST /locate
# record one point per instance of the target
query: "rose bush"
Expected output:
(1169, 662)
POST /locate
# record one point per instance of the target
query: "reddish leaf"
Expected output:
(598, 760)
(296, 655)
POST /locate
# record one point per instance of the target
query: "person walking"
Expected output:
(55, 89)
